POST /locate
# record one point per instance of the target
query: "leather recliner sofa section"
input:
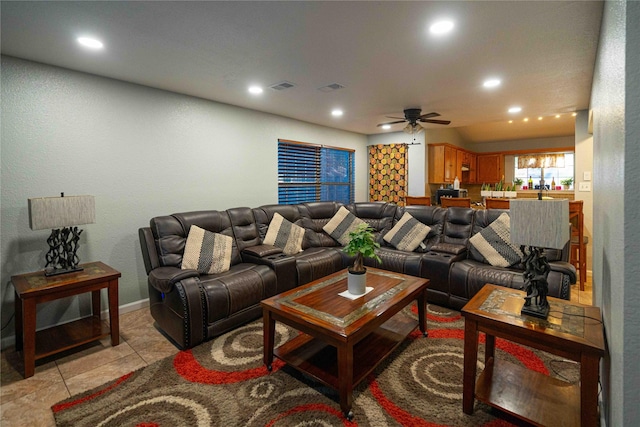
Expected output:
(191, 308)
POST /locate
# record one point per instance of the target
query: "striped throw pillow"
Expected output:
(407, 234)
(284, 234)
(494, 243)
(207, 252)
(342, 223)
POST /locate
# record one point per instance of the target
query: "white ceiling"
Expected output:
(381, 52)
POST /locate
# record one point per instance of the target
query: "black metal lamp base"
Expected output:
(535, 277)
(62, 257)
(56, 271)
(541, 312)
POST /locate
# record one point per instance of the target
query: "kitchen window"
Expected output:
(555, 167)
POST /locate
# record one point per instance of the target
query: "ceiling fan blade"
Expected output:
(391, 123)
(438, 122)
(429, 115)
(393, 117)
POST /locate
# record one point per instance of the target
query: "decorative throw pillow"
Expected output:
(342, 223)
(207, 252)
(407, 234)
(494, 243)
(284, 234)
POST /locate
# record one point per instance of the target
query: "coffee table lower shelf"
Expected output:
(318, 359)
(527, 394)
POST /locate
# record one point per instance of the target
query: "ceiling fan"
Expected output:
(412, 116)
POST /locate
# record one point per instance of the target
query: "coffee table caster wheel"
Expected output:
(350, 416)
(425, 334)
(269, 368)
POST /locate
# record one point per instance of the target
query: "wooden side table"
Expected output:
(572, 331)
(34, 288)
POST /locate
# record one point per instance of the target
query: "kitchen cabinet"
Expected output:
(442, 163)
(490, 168)
(470, 176)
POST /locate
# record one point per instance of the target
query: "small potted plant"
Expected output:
(485, 190)
(499, 190)
(518, 183)
(510, 192)
(566, 183)
(363, 245)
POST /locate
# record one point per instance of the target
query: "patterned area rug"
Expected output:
(224, 383)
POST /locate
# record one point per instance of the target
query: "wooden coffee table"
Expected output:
(572, 331)
(343, 340)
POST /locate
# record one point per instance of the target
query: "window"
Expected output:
(551, 174)
(314, 173)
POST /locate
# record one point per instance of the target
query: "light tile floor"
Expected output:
(27, 402)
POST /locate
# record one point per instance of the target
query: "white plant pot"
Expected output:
(357, 283)
(497, 194)
(510, 194)
(485, 193)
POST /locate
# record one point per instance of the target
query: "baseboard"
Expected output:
(104, 315)
(127, 308)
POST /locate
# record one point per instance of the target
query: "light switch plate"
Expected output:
(586, 176)
(584, 186)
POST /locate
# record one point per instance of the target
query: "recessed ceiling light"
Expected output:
(337, 113)
(386, 127)
(441, 27)
(89, 42)
(557, 116)
(515, 109)
(526, 119)
(491, 83)
(256, 90)
(540, 118)
(574, 114)
(510, 121)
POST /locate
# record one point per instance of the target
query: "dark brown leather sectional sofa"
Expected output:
(191, 308)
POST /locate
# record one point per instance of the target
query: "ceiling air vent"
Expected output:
(331, 87)
(282, 86)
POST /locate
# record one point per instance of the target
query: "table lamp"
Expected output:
(62, 215)
(535, 225)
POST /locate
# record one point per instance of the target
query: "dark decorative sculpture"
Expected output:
(62, 256)
(536, 272)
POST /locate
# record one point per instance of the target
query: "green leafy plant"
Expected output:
(567, 181)
(362, 244)
(500, 186)
(518, 181)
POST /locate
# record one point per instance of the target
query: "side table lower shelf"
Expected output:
(69, 335)
(527, 394)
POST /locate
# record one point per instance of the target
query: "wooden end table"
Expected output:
(343, 340)
(35, 288)
(573, 331)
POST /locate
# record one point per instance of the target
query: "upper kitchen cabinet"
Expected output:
(490, 168)
(446, 162)
(443, 160)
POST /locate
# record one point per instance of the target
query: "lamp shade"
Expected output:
(58, 212)
(540, 223)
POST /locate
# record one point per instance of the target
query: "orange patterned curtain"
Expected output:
(388, 173)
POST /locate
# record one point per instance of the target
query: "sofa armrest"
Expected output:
(449, 248)
(163, 278)
(261, 251)
(564, 268)
(283, 265)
